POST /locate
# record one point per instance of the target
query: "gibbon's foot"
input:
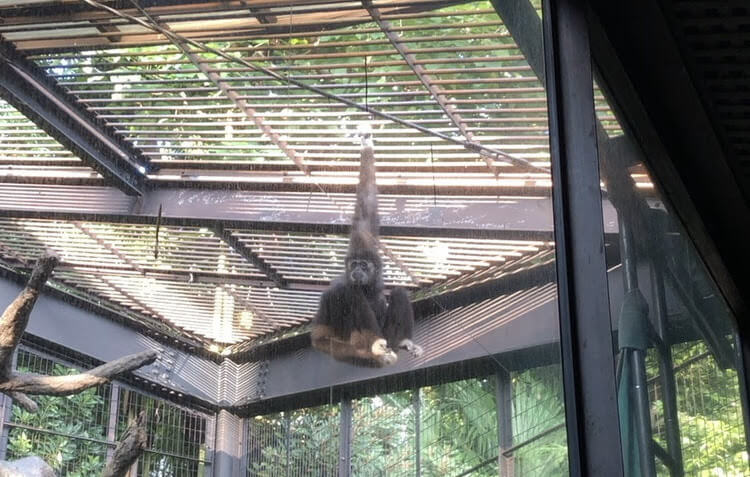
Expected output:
(382, 353)
(411, 347)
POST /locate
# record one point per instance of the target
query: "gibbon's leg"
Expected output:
(399, 323)
(364, 341)
(368, 334)
(360, 345)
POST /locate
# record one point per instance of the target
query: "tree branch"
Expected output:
(13, 323)
(24, 401)
(16, 317)
(132, 445)
(64, 385)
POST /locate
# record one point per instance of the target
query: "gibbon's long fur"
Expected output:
(355, 321)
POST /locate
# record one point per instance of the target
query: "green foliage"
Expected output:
(69, 418)
(383, 435)
(170, 430)
(537, 407)
(304, 442)
(710, 414)
(458, 432)
(459, 427)
(712, 448)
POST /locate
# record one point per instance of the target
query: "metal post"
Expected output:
(6, 405)
(504, 397)
(643, 417)
(287, 444)
(585, 330)
(637, 356)
(666, 371)
(742, 349)
(114, 406)
(417, 433)
(345, 439)
(211, 444)
(229, 445)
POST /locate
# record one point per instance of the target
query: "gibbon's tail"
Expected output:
(366, 218)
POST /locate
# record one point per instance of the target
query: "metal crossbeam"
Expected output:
(250, 256)
(26, 87)
(502, 218)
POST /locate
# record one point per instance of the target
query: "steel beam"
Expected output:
(250, 256)
(525, 26)
(638, 57)
(585, 326)
(298, 374)
(25, 86)
(100, 338)
(512, 217)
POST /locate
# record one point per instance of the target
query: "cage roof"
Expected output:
(259, 101)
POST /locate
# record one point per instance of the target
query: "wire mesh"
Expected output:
(74, 433)
(449, 429)
(384, 435)
(69, 433)
(538, 421)
(303, 442)
(176, 443)
(459, 428)
(709, 412)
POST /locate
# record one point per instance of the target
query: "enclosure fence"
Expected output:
(449, 429)
(76, 434)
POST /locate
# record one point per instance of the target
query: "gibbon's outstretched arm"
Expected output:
(366, 218)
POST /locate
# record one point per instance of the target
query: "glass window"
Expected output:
(678, 390)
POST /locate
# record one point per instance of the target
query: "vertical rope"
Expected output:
(434, 185)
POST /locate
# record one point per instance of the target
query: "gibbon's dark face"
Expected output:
(360, 271)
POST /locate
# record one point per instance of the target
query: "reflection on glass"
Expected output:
(678, 391)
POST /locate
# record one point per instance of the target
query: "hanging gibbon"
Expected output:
(355, 321)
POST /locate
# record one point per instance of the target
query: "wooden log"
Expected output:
(15, 318)
(132, 445)
(65, 385)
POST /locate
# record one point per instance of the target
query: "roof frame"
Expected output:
(28, 88)
(227, 91)
(489, 152)
(249, 255)
(395, 39)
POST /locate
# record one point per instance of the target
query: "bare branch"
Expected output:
(16, 315)
(65, 385)
(132, 445)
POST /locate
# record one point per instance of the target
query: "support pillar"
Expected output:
(229, 448)
(345, 439)
(505, 423)
(585, 331)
